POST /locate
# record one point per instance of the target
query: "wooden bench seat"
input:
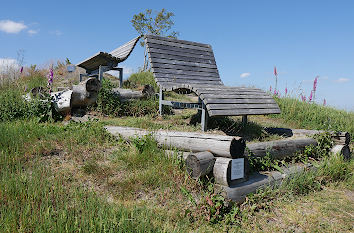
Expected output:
(179, 64)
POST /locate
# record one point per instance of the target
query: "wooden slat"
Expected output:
(177, 44)
(231, 92)
(179, 67)
(239, 101)
(178, 41)
(186, 80)
(158, 53)
(185, 72)
(221, 96)
(180, 50)
(239, 106)
(179, 85)
(240, 112)
(181, 63)
(185, 76)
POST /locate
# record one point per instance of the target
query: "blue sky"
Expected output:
(302, 39)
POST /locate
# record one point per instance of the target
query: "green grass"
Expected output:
(314, 116)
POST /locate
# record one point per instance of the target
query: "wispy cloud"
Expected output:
(32, 32)
(56, 32)
(342, 80)
(245, 75)
(11, 27)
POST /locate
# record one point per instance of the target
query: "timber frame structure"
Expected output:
(102, 62)
(179, 64)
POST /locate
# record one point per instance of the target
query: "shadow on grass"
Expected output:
(249, 131)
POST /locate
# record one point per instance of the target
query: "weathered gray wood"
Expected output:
(198, 76)
(182, 64)
(238, 192)
(186, 80)
(343, 150)
(176, 50)
(181, 105)
(178, 41)
(177, 44)
(234, 106)
(342, 138)
(85, 93)
(204, 120)
(182, 57)
(179, 154)
(238, 112)
(219, 145)
(279, 149)
(222, 172)
(185, 72)
(239, 101)
(183, 68)
(161, 97)
(200, 164)
(229, 96)
(129, 95)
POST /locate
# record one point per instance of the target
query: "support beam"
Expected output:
(100, 73)
(244, 119)
(205, 117)
(161, 95)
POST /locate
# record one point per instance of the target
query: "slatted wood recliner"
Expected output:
(179, 64)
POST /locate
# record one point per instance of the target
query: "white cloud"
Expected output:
(9, 26)
(342, 80)
(8, 64)
(56, 32)
(32, 32)
(245, 75)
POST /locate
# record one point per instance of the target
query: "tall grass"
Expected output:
(314, 116)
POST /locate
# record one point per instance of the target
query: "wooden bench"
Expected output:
(179, 64)
(102, 62)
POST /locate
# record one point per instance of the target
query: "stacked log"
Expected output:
(126, 95)
(200, 164)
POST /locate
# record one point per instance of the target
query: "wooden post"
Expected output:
(205, 116)
(120, 77)
(160, 101)
(100, 73)
(244, 119)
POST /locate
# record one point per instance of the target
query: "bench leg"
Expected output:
(244, 119)
(100, 73)
(205, 117)
(161, 95)
(121, 77)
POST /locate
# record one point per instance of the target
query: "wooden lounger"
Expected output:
(179, 64)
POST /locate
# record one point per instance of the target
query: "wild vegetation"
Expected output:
(68, 176)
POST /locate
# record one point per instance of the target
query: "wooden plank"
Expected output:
(240, 112)
(232, 92)
(154, 60)
(178, 40)
(221, 96)
(186, 78)
(185, 72)
(177, 85)
(181, 82)
(166, 54)
(177, 44)
(183, 76)
(241, 106)
(180, 50)
(239, 101)
(179, 67)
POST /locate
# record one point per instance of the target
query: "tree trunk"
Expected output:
(200, 164)
(129, 95)
(219, 145)
(279, 149)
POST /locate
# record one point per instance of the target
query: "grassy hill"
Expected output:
(67, 177)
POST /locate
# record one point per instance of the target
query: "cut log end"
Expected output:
(343, 150)
(200, 164)
(237, 147)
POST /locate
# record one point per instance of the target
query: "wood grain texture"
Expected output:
(200, 164)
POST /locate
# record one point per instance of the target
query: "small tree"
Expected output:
(153, 23)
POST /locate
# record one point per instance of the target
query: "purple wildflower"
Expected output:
(324, 102)
(310, 97)
(315, 83)
(21, 70)
(286, 90)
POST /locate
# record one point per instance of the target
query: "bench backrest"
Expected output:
(177, 62)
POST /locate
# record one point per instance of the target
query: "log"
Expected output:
(337, 137)
(200, 164)
(343, 150)
(85, 93)
(279, 149)
(179, 154)
(219, 145)
(129, 95)
(230, 171)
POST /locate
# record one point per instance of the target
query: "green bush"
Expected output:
(140, 79)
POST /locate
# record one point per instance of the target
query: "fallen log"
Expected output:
(343, 150)
(279, 149)
(85, 93)
(230, 171)
(129, 95)
(219, 145)
(200, 164)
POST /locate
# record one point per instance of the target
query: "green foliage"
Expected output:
(314, 116)
(265, 163)
(150, 22)
(140, 79)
